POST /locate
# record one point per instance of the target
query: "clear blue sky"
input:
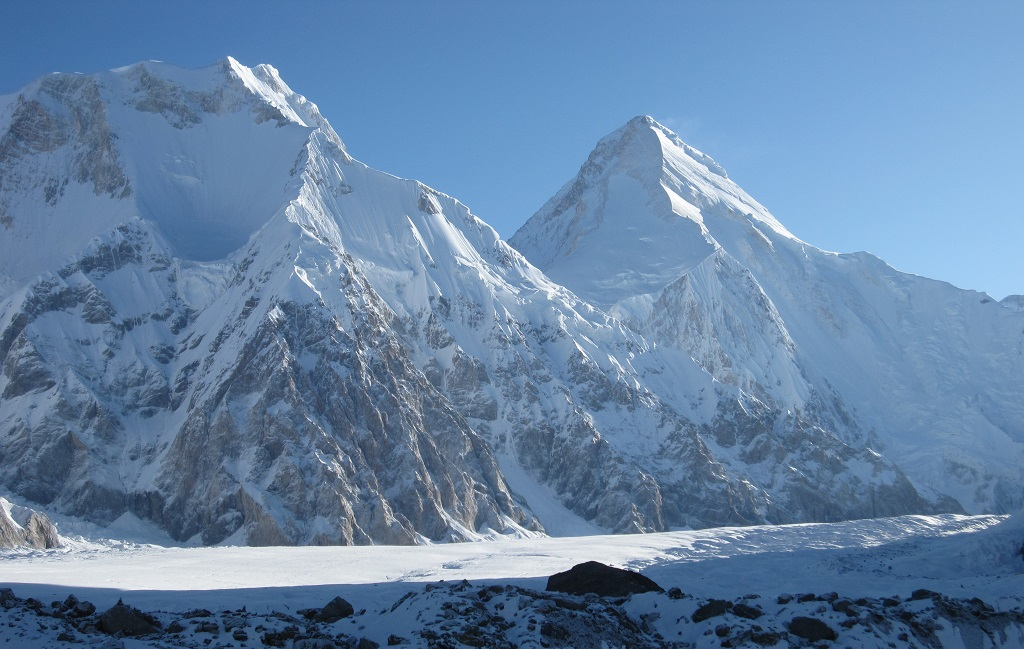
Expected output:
(891, 127)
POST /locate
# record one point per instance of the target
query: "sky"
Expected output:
(894, 128)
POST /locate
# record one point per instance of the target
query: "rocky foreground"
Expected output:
(630, 611)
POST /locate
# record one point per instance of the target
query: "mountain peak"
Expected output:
(670, 144)
(141, 142)
(644, 209)
(639, 123)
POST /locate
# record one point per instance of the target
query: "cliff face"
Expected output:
(21, 526)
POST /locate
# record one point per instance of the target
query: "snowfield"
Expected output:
(854, 566)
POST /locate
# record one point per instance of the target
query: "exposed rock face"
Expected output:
(21, 526)
(324, 411)
(68, 111)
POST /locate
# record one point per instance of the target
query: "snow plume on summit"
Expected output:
(247, 336)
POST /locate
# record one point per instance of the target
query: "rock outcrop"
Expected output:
(21, 526)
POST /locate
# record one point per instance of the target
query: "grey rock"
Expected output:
(600, 579)
(335, 610)
(124, 620)
(747, 611)
(82, 609)
(26, 527)
(712, 608)
(812, 629)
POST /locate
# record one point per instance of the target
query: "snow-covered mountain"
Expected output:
(655, 232)
(215, 320)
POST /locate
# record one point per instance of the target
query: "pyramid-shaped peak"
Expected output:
(644, 209)
(643, 122)
(672, 144)
(645, 148)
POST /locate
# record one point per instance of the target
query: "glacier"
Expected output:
(874, 583)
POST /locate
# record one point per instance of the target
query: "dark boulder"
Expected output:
(280, 638)
(335, 610)
(766, 638)
(713, 608)
(8, 598)
(600, 579)
(747, 611)
(127, 621)
(82, 609)
(844, 605)
(811, 629)
(196, 612)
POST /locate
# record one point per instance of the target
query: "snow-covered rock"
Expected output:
(23, 526)
(172, 357)
(215, 321)
(842, 344)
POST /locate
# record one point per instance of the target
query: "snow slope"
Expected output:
(923, 372)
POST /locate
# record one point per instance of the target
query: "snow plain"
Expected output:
(959, 556)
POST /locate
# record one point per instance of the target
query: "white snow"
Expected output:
(926, 372)
(854, 557)
(977, 557)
